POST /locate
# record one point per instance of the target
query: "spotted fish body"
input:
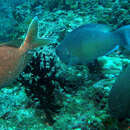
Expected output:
(119, 98)
(14, 59)
(88, 42)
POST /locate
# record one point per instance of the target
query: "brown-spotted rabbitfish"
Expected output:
(119, 98)
(14, 59)
(90, 41)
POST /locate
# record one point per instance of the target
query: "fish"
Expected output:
(14, 57)
(90, 41)
(119, 97)
(124, 34)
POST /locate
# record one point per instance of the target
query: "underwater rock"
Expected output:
(112, 65)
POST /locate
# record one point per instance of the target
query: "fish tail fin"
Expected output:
(31, 41)
(124, 36)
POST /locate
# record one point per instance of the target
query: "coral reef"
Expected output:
(39, 79)
(50, 95)
(44, 80)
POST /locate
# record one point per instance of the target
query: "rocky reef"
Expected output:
(48, 94)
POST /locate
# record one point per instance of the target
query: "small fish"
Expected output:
(119, 98)
(90, 41)
(13, 59)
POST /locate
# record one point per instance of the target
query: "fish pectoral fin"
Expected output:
(114, 49)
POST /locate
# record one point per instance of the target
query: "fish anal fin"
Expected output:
(15, 43)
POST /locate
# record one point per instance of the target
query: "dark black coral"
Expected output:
(39, 79)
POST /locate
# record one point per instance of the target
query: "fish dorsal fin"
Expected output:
(31, 41)
(96, 27)
(15, 43)
(31, 33)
